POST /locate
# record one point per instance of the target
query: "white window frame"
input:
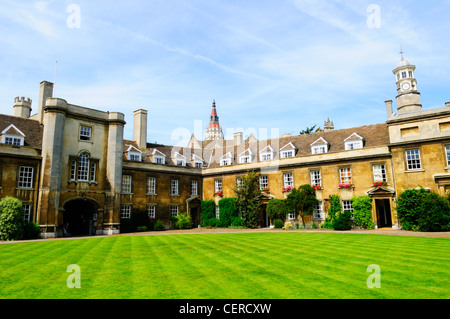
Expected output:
(13, 140)
(85, 133)
(263, 181)
(126, 183)
(379, 172)
(318, 211)
(225, 162)
(125, 211)
(151, 211)
(319, 149)
(316, 177)
(245, 159)
(93, 171)
(287, 154)
(198, 164)
(135, 156)
(288, 179)
(266, 156)
(158, 159)
(84, 167)
(218, 185)
(447, 154)
(174, 211)
(174, 191)
(151, 185)
(26, 175)
(347, 205)
(194, 188)
(217, 212)
(239, 182)
(290, 216)
(27, 212)
(353, 145)
(413, 160)
(345, 175)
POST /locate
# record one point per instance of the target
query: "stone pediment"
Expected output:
(380, 191)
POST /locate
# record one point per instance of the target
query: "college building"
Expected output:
(71, 166)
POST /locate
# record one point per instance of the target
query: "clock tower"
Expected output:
(408, 98)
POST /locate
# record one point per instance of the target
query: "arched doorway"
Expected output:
(80, 217)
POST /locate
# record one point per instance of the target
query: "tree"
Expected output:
(309, 130)
(12, 222)
(277, 209)
(247, 201)
(302, 201)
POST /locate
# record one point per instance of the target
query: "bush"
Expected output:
(343, 221)
(278, 223)
(362, 212)
(141, 228)
(12, 223)
(277, 209)
(183, 221)
(237, 222)
(159, 226)
(333, 211)
(207, 212)
(31, 231)
(227, 211)
(421, 210)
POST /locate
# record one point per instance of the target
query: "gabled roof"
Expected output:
(320, 141)
(265, 149)
(12, 130)
(133, 149)
(289, 146)
(198, 158)
(353, 137)
(248, 151)
(178, 155)
(156, 152)
(227, 155)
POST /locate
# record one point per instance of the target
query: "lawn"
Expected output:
(291, 265)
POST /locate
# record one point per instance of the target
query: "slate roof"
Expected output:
(32, 129)
(373, 135)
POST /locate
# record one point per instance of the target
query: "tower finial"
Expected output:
(401, 53)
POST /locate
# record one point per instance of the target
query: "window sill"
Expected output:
(122, 193)
(86, 182)
(175, 195)
(24, 188)
(414, 171)
(148, 194)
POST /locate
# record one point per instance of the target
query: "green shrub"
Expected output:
(183, 221)
(278, 223)
(421, 210)
(237, 222)
(277, 209)
(141, 228)
(227, 211)
(362, 211)
(31, 231)
(126, 225)
(333, 212)
(207, 212)
(12, 223)
(159, 226)
(343, 221)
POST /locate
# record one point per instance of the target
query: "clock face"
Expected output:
(406, 86)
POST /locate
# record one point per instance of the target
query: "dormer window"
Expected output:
(158, 157)
(226, 160)
(288, 151)
(319, 147)
(353, 142)
(179, 159)
(246, 157)
(13, 136)
(134, 154)
(267, 154)
(197, 161)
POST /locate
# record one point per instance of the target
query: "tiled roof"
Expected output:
(32, 129)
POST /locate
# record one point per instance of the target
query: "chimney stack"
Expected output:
(389, 109)
(238, 138)
(45, 92)
(140, 128)
(328, 125)
(22, 107)
(447, 104)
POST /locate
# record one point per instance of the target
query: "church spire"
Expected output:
(214, 131)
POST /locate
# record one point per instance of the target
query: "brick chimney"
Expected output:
(140, 128)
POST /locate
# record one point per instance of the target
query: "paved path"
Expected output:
(261, 230)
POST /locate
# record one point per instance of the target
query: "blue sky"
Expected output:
(283, 65)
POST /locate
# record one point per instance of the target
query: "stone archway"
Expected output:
(80, 216)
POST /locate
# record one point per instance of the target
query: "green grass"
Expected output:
(229, 266)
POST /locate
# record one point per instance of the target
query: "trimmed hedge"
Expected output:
(362, 211)
(227, 211)
(208, 214)
(12, 224)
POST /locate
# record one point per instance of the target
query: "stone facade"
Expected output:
(73, 170)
